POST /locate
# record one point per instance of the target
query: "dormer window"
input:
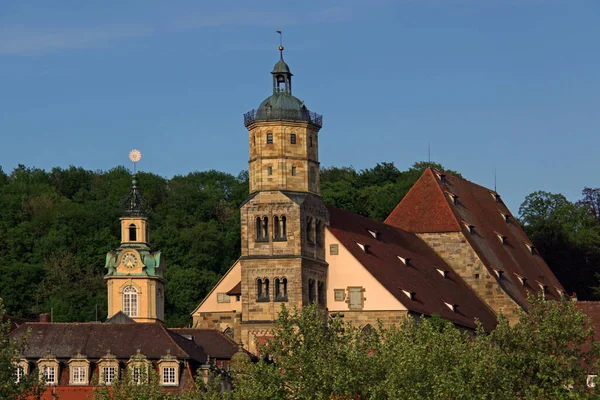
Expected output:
(501, 237)
(522, 279)
(496, 197)
(506, 217)
(451, 307)
(530, 247)
(442, 272)
(363, 247)
(375, 234)
(405, 261)
(470, 228)
(440, 176)
(410, 295)
(498, 273)
(543, 288)
(453, 197)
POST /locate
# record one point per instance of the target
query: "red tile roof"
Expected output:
(477, 206)
(421, 276)
(236, 290)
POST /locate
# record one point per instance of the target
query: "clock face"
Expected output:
(129, 260)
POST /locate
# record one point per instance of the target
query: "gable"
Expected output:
(424, 208)
(229, 281)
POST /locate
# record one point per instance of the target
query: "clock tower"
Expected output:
(135, 273)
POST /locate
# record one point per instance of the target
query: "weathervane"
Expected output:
(135, 156)
(280, 41)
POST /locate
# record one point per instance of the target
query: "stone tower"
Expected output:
(283, 220)
(135, 273)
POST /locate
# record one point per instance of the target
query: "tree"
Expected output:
(10, 350)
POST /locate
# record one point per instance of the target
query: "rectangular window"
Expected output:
(108, 375)
(269, 138)
(79, 375)
(339, 294)
(293, 138)
(333, 249)
(294, 170)
(137, 375)
(168, 376)
(19, 372)
(49, 375)
(269, 170)
(355, 298)
(310, 141)
(223, 298)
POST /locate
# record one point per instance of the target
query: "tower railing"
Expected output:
(283, 115)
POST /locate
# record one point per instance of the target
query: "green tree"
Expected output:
(10, 350)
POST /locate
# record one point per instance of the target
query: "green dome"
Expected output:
(281, 106)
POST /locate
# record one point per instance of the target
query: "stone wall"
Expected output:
(219, 321)
(361, 318)
(454, 248)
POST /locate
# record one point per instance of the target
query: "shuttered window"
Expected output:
(355, 298)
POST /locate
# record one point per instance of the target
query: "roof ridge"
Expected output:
(173, 340)
(463, 179)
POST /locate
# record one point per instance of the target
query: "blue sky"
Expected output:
(511, 85)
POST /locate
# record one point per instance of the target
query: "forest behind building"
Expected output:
(57, 226)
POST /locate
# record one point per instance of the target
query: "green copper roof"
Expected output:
(281, 68)
(278, 103)
(153, 263)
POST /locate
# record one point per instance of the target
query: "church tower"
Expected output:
(135, 273)
(283, 219)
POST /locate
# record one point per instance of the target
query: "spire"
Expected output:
(282, 76)
(134, 204)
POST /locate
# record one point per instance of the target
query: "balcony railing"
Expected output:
(283, 115)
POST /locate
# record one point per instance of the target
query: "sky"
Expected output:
(511, 86)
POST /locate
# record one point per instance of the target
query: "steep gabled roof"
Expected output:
(94, 340)
(407, 267)
(492, 231)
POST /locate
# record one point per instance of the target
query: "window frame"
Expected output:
(269, 137)
(130, 303)
(333, 252)
(293, 138)
(223, 298)
(355, 289)
(78, 375)
(106, 375)
(171, 373)
(336, 292)
(46, 374)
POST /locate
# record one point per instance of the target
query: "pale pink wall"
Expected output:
(345, 271)
(231, 278)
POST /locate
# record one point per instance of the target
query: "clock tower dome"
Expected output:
(135, 273)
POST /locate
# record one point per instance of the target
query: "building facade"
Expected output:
(450, 247)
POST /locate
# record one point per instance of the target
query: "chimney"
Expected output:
(45, 317)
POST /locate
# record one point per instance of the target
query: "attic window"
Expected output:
(543, 287)
(506, 217)
(375, 234)
(441, 176)
(523, 280)
(471, 228)
(498, 273)
(410, 295)
(452, 307)
(405, 261)
(442, 272)
(453, 197)
(561, 293)
(364, 247)
(496, 197)
(501, 237)
(530, 247)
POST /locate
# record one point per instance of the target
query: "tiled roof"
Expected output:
(216, 344)
(422, 271)
(497, 237)
(236, 290)
(94, 340)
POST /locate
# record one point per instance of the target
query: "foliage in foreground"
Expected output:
(10, 349)
(548, 351)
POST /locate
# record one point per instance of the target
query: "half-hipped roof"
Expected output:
(409, 269)
(440, 202)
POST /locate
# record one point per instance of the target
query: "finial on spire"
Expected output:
(134, 204)
(280, 44)
(135, 156)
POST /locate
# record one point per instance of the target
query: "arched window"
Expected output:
(258, 229)
(309, 230)
(265, 228)
(130, 301)
(281, 289)
(266, 289)
(132, 233)
(321, 293)
(283, 227)
(312, 293)
(276, 228)
(259, 288)
(368, 330)
(319, 227)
